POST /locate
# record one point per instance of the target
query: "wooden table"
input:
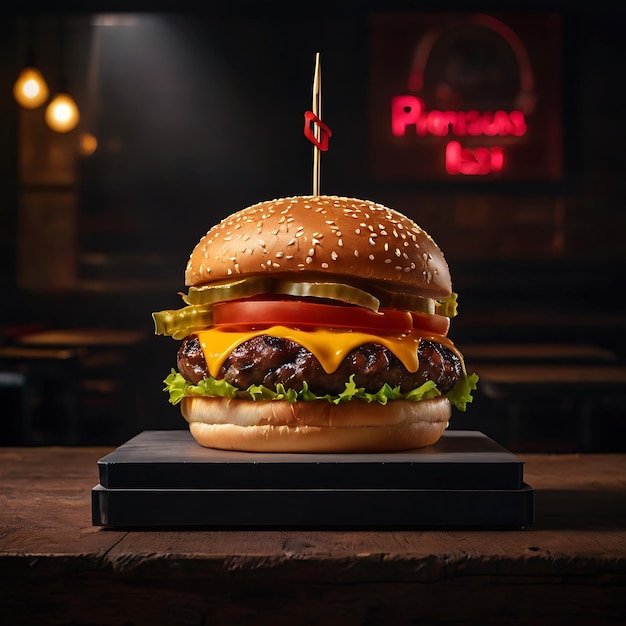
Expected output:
(568, 568)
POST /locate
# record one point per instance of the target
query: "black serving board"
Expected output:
(165, 478)
(174, 460)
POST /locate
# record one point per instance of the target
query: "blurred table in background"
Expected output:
(73, 385)
(577, 400)
(82, 337)
(504, 352)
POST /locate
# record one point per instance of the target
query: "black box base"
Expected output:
(165, 478)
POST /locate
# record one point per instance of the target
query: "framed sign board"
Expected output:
(465, 98)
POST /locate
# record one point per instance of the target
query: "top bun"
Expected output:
(322, 235)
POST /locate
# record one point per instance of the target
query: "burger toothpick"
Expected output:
(321, 133)
(316, 324)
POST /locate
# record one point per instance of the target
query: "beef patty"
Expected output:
(268, 361)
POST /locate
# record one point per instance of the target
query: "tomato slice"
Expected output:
(257, 313)
(436, 324)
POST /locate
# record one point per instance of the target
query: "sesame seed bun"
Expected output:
(322, 235)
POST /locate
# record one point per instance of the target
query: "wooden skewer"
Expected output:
(317, 111)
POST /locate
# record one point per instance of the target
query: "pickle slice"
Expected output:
(420, 304)
(406, 301)
(332, 291)
(222, 292)
(179, 323)
(255, 285)
(447, 306)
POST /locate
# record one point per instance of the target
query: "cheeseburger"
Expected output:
(316, 324)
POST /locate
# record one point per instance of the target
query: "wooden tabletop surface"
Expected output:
(56, 568)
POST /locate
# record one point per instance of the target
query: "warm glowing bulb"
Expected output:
(30, 89)
(62, 113)
(87, 144)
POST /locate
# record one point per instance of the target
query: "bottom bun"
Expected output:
(319, 426)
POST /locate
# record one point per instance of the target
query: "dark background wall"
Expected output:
(199, 114)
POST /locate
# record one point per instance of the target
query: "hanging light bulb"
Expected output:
(87, 144)
(62, 114)
(30, 89)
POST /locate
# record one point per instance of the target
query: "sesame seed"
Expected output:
(371, 257)
(334, 256)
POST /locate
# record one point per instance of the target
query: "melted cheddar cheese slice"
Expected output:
(330, 347)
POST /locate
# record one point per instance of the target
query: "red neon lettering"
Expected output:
(518, 120)
(476, 162)
(405, 111)
(410, 111)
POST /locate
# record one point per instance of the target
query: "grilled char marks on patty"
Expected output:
(266, 360)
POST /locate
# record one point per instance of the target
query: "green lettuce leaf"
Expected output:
(178, 388)
(461, 393)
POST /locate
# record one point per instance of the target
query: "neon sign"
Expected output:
(456, 97)
(410, 111)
